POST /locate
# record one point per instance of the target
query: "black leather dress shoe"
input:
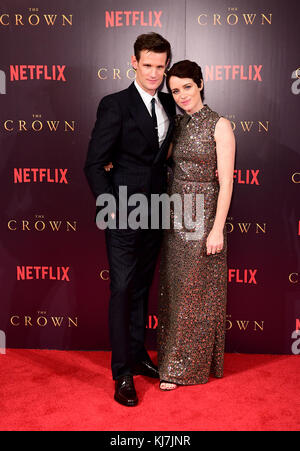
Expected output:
(145, 368)
(125, 393)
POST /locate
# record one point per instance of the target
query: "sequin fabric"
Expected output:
(193, 285)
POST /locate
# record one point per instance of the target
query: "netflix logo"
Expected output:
(152, 322)
(37, 72)
(235, 72)
(43, 273)
(242, 276)
(43, 175)
(246, 176)
(132, 19)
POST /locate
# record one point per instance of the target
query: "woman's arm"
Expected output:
(109, 166)
(225, 147)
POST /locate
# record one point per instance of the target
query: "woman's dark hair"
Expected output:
(153, 42)
(186, 69)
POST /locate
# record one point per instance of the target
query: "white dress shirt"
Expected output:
(161, 115)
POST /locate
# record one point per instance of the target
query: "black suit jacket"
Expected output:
(124, 134)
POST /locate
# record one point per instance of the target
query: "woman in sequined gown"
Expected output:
(193, 272)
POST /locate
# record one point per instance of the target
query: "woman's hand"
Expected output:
(214, 242)
(108, 167)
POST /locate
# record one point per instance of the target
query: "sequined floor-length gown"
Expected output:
(193, 285)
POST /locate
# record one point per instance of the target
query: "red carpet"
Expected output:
(59, 390)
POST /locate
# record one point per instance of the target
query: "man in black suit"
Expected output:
(132, 131)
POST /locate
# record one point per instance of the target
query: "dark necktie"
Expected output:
(154, 118)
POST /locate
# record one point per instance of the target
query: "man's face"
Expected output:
(150, 69)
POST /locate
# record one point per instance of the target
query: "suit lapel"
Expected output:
(166, 105)
(169, 112)
(142, 117)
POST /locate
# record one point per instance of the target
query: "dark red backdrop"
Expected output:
(58, 58)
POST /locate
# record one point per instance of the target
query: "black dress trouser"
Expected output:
(132, 256)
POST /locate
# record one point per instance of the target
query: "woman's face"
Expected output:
(186, 93)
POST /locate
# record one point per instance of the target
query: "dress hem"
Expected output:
(174, 380)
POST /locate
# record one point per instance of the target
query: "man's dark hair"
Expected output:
(153, 42)
(186, 69)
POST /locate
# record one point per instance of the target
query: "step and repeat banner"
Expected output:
(58, 59)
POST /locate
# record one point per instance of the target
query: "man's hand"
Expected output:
(108, 167)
